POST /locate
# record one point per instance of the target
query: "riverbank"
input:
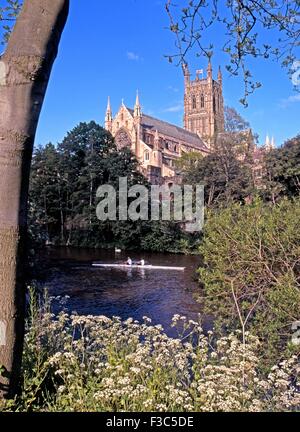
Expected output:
(88, 363)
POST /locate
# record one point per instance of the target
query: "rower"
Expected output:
(129, 261)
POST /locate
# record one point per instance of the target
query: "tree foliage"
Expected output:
(282, 171)
(251, 260)
(63, 201)
(244, 24)
(8, 16)
(234, 122)
(226, 177)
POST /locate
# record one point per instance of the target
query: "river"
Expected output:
(132, 293)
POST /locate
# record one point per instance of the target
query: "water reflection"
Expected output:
(124, 292)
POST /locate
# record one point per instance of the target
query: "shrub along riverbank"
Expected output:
(251, 272)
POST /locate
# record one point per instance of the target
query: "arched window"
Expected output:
(202, 101)
(194, 102)
(147, 156)
(214, 104)
(122, 139)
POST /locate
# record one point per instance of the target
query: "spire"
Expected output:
(108, 110)
(137, 107)
(269, 143)
(273, 143)
(137, 101)
(108, 116)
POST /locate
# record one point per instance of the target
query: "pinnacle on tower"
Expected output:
(270, 143)
(108, 115)
(108, 109)
(185, 69)
(273, 143)
(220, 77)
(156, 140)
(209, 69)
(137, 107)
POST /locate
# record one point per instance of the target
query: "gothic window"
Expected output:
(148, 139)
(214, 104)
(202, 101)
(194, 102)
(122, 117)
(126, 123)
(122, 139)
(147, 156)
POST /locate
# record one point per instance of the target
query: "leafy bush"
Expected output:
(251, 271)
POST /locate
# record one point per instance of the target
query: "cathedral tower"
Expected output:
(203, 104)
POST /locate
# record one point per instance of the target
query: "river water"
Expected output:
(157, 294)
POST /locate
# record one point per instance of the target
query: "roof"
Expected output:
(189, 138)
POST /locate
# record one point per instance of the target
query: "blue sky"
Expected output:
(114, 48)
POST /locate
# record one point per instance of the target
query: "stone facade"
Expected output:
(156, 143)
(204, 104)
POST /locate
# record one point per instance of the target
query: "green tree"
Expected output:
(251, 271)
(282, 171)
(64, 182)
(234, 122)
(226, 178)
(84, 155)
(46, 195)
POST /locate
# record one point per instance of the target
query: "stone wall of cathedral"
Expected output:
(204, 104)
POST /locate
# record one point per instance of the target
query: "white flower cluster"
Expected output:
(104, 364)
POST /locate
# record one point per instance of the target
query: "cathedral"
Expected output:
(156, 143)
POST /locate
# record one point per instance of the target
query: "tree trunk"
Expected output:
(25, 69)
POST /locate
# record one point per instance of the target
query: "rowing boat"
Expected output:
(137, 266)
